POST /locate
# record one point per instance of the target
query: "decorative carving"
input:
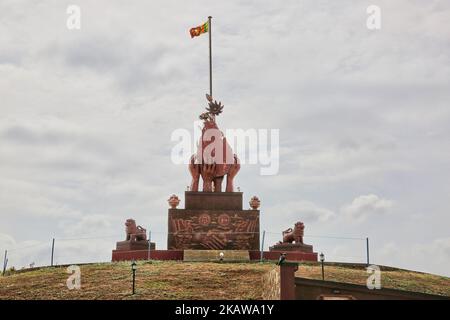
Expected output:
(173, 201)
(133, 232)
(213, 230)
(296, 235)
(204, 219)
(223, 220)
(214, 108)
(254, 203)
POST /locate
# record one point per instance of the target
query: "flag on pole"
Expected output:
(195, 32)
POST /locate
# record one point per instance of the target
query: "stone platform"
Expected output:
(290, 256)
(254, 255)
(298, 247)
(121, 255)
(213, 221)
(213, 200)
(214, 255)
(134, 245)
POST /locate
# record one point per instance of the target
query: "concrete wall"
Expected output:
(271, 284)
(308, 289)
(118, 255)
(291, 255)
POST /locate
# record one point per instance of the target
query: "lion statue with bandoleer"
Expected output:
(134, 232)
(294, 235)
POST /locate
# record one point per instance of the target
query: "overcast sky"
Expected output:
(86, 118)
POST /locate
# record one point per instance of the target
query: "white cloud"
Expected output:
(438, 251)
(312, 212)
(366, 206)
(90, 225)
(290, 212)
(23, 253)
(432, 257)
(67, 250)
(6, 241)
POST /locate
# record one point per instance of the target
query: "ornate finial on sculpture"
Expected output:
(254, 203)
(173, 201)
(214, 109)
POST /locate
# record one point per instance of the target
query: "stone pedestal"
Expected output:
(213, 200)
(134, 245)
(287, 280)
(299, 247)
(213, 221)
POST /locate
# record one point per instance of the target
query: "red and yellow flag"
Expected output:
(195, 32)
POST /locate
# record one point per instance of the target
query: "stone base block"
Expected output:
(254, 255)
(213, 229)
(214, 255)
(299, 247)
(123, 255)
(134, 245)
(213, 200)
(291, 255)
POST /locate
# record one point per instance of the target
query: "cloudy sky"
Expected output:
(364, 118)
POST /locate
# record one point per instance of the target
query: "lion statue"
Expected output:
(296, 235)
(133, 232)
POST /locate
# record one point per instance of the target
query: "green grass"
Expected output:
(193, 281)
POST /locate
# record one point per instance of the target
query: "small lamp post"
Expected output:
(221, 257)
(322, 260)
(133, 269)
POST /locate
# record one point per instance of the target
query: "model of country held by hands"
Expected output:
(225, 155)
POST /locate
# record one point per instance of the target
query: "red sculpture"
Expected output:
(214, 158)
(254, 203)
(173, 201)
(133, 232)
(296, 235)
(136, 239)
(293, 241)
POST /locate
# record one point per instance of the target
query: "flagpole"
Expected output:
(210, 56)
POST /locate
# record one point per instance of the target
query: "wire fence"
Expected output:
(334, 248)
(98, 248)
